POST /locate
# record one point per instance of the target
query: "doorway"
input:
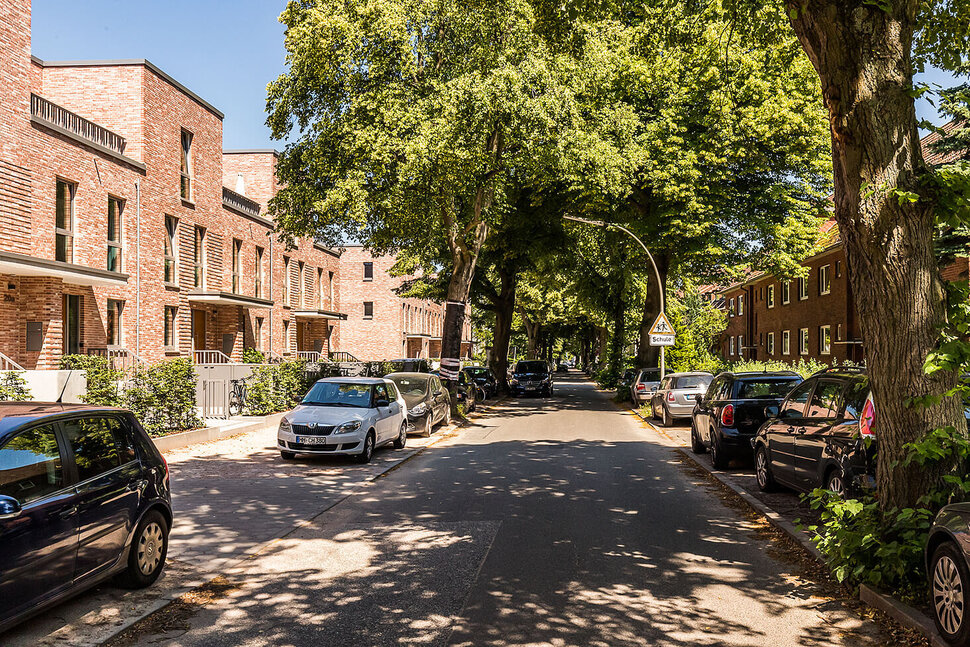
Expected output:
(198, 329)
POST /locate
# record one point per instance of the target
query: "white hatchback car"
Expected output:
(345, 415)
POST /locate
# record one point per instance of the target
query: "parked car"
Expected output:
(817, 436)
(729, 414)
(84, 496)
(626, 380)
(467, 392)
(345, 415)
(644, 385)
(531, 376)
(677, 395)
(483, 377)
(427, 401)
(948, 572)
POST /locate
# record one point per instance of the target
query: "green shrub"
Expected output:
(804, 367)
(13, 387)
(102, 388)
(277, 387)
(253, 356)
(162, 396)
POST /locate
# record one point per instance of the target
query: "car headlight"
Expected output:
(354, 425)
(419, 409)
(285, 426)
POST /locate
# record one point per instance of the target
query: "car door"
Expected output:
(703, 410)
(109, 486)
(397, 412)
(781, 432)
(383, 413)
(661, 393)
(814, 433)
(441, 398)
(39, 545)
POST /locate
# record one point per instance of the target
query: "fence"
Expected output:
(214, 385)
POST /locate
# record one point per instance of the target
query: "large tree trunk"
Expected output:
(863, 57)
(463, 264)
(618, 339)
(532, 332)
(498, 358)
(649, 356)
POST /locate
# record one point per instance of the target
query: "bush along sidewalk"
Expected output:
(13, 387)
(272, 388)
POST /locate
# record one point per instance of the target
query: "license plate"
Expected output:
(311, 440)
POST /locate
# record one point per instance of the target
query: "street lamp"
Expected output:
(656, 272)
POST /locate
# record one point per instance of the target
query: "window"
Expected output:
(786, 292)
(64, 222)
(320, 288)
(300, 284)
(30, 465)
(330, 288)
(731, 346)
(740, 305)
(771, 296)
(731, 308)
(741, 345)
(803, 341)
(825, 340)
(171, 313)
(113, 323)
(198, 258)
(824, 280)
(802, 289)
(771, 343)
(115, 207)
(186, 186)
(838, 332)
(380, 393)
(368, 309)
(368, 271)
(236, 265)
(794, 405)
(826, 401)
(171, 244)
(100, 445)
(785, 342)
(258, 333)
(286, 280)
(838, 269)
(258, 272)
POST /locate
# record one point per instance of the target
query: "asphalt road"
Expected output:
(550, 522)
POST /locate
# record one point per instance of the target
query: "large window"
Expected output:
(115, 207)
(113, 323)
(368, 271)
(64, 222)
(785, 342)
(824, 280)
(30, 465)
(731, 346)
(198, 258)
(740, 305)
(731, 308)
(803, 341)
(236, 265)
(802, 289)
(171, 247)
(259, 272)
(186, 167)
(785, 292)
(771, 343)
(825, 340)
(171, 316)
(771, 296)
(368, 309)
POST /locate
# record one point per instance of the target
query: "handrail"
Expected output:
(311, 355)
(7, 364)
(342, 356)
(211, 357)
(126, 358)
(64, 118)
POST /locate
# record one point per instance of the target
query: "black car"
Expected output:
(84, 496)
(482, 377)
(817, 436)
(949, 573)
(531, 376)
(428, 401)
(728, 416)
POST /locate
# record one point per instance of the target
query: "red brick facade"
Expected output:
(113, 132)
(395, 327)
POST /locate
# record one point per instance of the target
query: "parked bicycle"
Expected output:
(237, 397)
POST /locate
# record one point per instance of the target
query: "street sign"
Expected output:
(661, 332)
(662, 340)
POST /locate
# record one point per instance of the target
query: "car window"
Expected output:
(666, 383)
(826, 400)
(338, 394)
(650, 375)
(723, 390)
(856, 392)
(380, 392)
(765, 388)
(692, 381)
(794, 405)
(30, 465)
(391, 391)
(412, 385)
(99, 445)
(436, 385)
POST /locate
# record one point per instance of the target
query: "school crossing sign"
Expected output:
(661, 332)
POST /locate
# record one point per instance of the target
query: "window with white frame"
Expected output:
(731, 308)
(198, 258)
(64, 221)
(740, 344)
(802, 288)
(803, 341)
(824, 279)
(731, 346)
(825, 340)
(740, 305)
(785, 293)
(171, 334)
(186, 166)
(171, 248)
(786, 342)
(259, 271)
(771, 296)
(771, 343)
(236, 266)
(115, 207)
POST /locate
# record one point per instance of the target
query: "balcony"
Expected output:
(76, 127)
(243, 206)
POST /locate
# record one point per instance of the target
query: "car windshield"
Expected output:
(650, 375)
(339, 394)
(692, 381)
(766, 388)
(477, 371)
(531, 367)
(411, 385)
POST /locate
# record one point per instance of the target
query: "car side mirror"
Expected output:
(9, 507)
(382, 403)
(772, 411)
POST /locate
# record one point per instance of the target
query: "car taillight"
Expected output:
(727, 416)
(670, 397)
(867, 421)
(641, 387)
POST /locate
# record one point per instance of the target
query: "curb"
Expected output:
(904, 614)
(208, 434)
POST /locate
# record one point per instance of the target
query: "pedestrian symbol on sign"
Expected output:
(662, 326)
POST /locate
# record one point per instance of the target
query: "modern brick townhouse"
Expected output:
(125, 228)
(382, 325)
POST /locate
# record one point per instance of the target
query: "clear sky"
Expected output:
(226, 51)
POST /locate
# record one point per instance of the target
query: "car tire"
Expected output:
(402, 438)
(762, 470)
(666, 419)
(367, 451)
(835, 482)
(287, 456)
(718, 460)
(949, 578)
(448, 415)
(696, 445)
(146, 556)
(427, 426)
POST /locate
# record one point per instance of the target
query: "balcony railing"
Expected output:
(211, 357)
(120, 359)
(342, 356)
(240, 203)
(53, 114)
(309, 355)
(7, 364)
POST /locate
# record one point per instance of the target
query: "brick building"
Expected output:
(382, 325)
(118, 233)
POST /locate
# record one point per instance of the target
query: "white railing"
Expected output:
(309, 355)
(120, 359)
(211, 357)
(7, 364)
(273, 357)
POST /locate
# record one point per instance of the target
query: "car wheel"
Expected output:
(835, 482)
(666, 419)
(368, 450)
(948, 580)
(762, 470)
(427, 426)
(696, 445)
(653, 411)
(448, 415)
(718, 459)
(287, 456)
(402, 438)
(146, 557)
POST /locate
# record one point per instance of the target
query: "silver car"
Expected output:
(345, 415)
(677, 395)
(644, 385)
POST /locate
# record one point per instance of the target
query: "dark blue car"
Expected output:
(84, 495)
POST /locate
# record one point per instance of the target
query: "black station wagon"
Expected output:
(84, 495)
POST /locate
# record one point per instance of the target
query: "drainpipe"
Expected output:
(138, 268)
(272, 266)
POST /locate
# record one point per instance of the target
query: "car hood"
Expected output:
(325, 415)
(413, 400)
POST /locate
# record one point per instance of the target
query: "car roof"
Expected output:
(353, 380)
(14, 415)
(408, 374)
(756, 374)
(688, 373)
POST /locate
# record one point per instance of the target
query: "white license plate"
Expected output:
(311, 440)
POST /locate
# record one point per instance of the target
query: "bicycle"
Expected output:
(237, 397)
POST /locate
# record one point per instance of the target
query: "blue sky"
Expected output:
(226, 52)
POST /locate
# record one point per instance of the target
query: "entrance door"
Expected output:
(72, 324)
(198, 329)
(301, 328)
